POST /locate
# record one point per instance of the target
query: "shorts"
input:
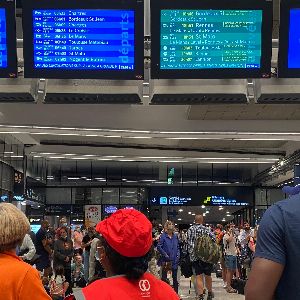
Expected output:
(200, 267)
(231, 262)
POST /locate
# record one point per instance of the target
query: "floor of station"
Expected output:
(187, 293)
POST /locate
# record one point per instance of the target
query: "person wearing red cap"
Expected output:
(125, 249)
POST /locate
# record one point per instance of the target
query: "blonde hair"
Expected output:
(14, 226)
(168, 222)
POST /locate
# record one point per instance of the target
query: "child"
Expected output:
(78, 272)
(45, 282)
(58, 285)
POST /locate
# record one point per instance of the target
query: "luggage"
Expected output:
(239, 285)
(186, 266)
(219, 271)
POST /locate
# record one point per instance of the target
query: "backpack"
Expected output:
(207, 250)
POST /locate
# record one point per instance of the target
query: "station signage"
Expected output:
(197, 196)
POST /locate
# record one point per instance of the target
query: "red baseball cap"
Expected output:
(128, 232)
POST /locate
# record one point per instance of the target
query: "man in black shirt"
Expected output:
(86, 244)
(43, 249)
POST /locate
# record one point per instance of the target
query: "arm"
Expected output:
(263, 280)
(46, 245)
(92, 258)
(57, 252)
(85, 243)
(160, 248)
(29, 244)
(270, 257)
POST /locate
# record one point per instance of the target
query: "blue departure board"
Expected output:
(294, 39)
(3, 39)
(210, 39)
(83, 39)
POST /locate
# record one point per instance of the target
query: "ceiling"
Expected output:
(245, 135)
(214, 215)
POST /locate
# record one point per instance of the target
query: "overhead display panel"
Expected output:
(289, 42)
(83, 39)
(8, 50)
(215, 39)
(196, 196)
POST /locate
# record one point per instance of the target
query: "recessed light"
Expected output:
(193, 214)
(203, 206)
(180, 210)
(190, 212)
(179, 219)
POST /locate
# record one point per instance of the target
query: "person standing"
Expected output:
(168, 247)
(43, 249)
(27, 249)
(125, 248)
(230, 248)
(275, 269)
(86, 244)
(63, 253)
(77, 237)
(18, 280)
(200, 267)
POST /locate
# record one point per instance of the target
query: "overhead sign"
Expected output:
(222, 201)
(195, 196)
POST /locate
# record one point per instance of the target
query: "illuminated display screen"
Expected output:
(210, 39)
(83, 39)
(3, 39)
(222, 196)
(294, 39)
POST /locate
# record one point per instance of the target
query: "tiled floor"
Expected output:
(220, 294)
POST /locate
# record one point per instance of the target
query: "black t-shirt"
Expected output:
(85, 240)
(40, 236)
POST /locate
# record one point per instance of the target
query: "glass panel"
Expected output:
(53, 174)
(68, 171)
(98, 172)
(110, 196)
(204, 174)
(96, 195)
(129, 196)
(58, 196)
(129, 174)
(114, 174)
(189, 174)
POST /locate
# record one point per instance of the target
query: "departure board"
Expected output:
(294, 39)
(3, 39)
(83, 39)
(210, 39)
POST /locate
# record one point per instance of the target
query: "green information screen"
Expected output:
(210, 39)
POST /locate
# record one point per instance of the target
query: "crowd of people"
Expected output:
(66, 259)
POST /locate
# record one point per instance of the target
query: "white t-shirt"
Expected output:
(229, 247)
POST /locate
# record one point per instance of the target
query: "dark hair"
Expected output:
(59, 271)
(132, 267)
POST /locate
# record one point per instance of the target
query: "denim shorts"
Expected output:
(230, 262)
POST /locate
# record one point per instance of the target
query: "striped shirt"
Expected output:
(193, 233)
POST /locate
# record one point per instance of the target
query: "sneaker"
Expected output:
(201, 297)
(224, 285)
(210, 296)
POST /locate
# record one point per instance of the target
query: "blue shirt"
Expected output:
(279, 241)
(169, 249)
